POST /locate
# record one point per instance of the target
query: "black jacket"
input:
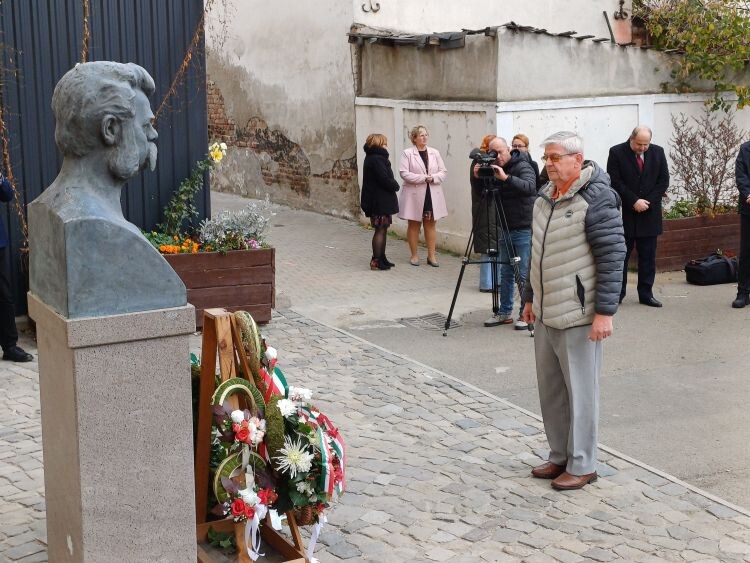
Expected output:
(6, 194)
(516, 195)
(633, 185)
(742, 173)
(379, 187)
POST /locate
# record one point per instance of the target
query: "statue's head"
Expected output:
(102, 107)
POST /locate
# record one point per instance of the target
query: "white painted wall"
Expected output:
(457, 127)
(583, 16)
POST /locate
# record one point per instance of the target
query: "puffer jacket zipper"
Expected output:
(581, 292)
(541, 258)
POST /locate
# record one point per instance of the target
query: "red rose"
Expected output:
(238, 507)
(242, 435)
(249, 512)
(263, 496)
(272, 496)
(235, 427)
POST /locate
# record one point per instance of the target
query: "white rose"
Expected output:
(237, 416)
(249, 497)
(271, 353)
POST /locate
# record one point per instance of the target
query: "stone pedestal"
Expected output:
(117, 435)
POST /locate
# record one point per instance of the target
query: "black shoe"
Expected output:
(743, 300)
(390, 264)
(17, 354)
(378, 264)
(651, 302)
(621, 298)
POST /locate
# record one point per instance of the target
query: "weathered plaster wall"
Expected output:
(468, 73)
(534, 67)
(584, 16)
(282, 93)
(455, 128)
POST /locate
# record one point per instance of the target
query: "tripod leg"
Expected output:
(453, 301)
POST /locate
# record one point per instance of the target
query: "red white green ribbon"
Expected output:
(275, 383)
(326, 431)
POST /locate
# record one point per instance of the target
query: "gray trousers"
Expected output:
(567, 371)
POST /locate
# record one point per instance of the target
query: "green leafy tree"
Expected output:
(712, 37)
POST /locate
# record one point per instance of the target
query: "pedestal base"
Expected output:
(117, 435)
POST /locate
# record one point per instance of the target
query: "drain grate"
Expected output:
(433, 321)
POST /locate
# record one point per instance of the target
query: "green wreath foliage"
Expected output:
(274, 427)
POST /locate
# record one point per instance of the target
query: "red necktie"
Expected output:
(639, 160)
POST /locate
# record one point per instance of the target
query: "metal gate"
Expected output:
(42, 39)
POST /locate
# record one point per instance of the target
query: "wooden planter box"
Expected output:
(694, 237)
(240, 280)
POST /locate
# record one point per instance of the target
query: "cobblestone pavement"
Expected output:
(437, 469)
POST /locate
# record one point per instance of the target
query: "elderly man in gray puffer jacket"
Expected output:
(573, 290)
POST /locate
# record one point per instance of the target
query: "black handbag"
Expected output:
(713, 269)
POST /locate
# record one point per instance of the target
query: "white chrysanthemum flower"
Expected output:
(287, 407)
(294, 458)
(305, 488)
(237, 416)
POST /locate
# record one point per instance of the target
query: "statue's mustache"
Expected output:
(151, 158)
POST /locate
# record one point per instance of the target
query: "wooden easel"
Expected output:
(222, 338)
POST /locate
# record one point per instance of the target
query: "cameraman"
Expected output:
(514, 187)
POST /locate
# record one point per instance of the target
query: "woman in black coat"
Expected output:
(379, 200)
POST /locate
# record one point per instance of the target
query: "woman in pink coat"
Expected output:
(422, 200)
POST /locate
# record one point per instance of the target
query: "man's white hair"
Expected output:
(569, 140)
(498, 140)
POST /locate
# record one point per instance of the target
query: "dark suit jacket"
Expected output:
(6, 194)
(633, 185)
(742, 169)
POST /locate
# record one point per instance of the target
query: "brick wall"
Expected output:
(694, 237)
(220, 127)
(285, 170)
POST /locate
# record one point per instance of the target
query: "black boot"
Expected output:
(390, 264)
(378, 264)
(743, 299)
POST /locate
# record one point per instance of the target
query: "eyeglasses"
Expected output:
(556, 157)
(518, 146)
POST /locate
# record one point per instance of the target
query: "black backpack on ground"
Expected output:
(713, 269)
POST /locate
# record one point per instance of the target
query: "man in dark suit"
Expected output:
(639, 172)
(12, 352)
(742, 170)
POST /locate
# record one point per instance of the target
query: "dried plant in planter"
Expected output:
(239, 230)
(703, 151)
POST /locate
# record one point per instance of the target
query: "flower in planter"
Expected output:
(217, 151)
(240, 230)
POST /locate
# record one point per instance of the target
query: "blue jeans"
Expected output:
(521, 239)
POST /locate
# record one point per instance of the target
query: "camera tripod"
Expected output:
(491, 206)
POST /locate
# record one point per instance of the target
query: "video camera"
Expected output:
(485, 160)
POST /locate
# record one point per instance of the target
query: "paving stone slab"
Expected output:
(436, 469)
